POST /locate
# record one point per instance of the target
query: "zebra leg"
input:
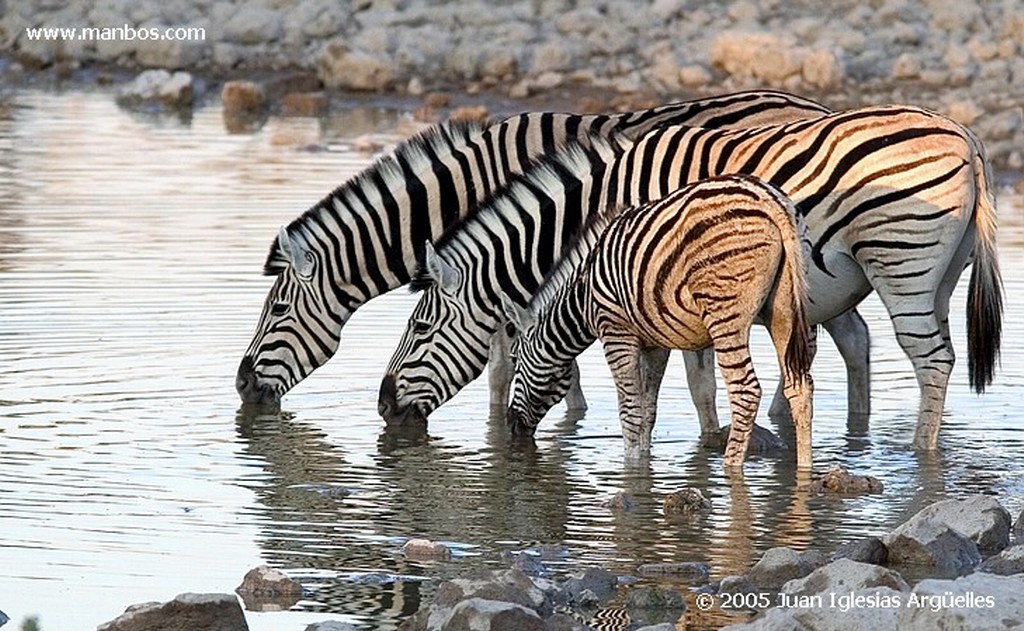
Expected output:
(780, 409)
(574, 399)
(626, 364)
(653, 370)
(500, 370)
(853, 339)
(924, 339)
(744, 395)
(700, 377)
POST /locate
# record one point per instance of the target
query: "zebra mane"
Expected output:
(417, 152)
(574, 162)
(573, 254)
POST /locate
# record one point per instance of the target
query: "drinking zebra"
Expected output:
(895, 199)
(691, 270)
(366, 237)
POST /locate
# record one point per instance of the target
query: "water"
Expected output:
(130, 254)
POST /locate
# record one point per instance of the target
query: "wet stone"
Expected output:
(598, 581)
(210, 612)
(762, 441)
(654, 605)
(619, 503)
(425, 549)
(687, 502)
(688, 571)
(1009, 561)
(839, 480)
(867, 550)
(267, 589)
(779, 565)
(330, 625)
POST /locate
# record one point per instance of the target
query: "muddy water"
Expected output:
(130, 255)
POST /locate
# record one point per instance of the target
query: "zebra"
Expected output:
(366, 237)
(895, 198)
(691, 270)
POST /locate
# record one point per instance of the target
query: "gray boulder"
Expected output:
(980, 518)
(210, 612)
(600, 582)
(1018, 528)
(479, 613)
(779, 565)
(974, 602)
(1009, 561)
(931, 544)
(867, 550)
(690, 571)
(158, 87)
(264, 588)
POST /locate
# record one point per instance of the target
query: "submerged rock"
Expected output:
(839, 480)
(330, 625)
(210, 612)
(687, 502)
(689, 571)
(654, 605)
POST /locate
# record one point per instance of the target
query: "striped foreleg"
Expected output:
(501, 371)
(626, 363)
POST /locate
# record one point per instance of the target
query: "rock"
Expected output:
(766, 56)
(506, 585)
(736, 585)
(330, 625)
(425, 549)
(654, 605)
(779, 565)
(478, 613)
(242, 98)
(838, 480)
(619, 503)
(979, 518)
(1018, 528)
(530, 564)
(158, 87)
(470, 113)
(339, 66)
(4, 619)
(267, 589)
(843, 576)
(821, 69)
(976, 601)
(762, 441)
(692, 572)
(1009, 561)
(210, 612)
(664, 626)
(929, 544)
(867, 550)
(598, 581)
(308, 104)
(687, 502)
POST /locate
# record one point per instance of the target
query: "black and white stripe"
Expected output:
(366, 237)
(692, 270)
(896, 199)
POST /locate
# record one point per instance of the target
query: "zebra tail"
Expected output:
(985, 292)
(798, 352)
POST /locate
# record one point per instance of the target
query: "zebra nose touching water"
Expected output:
(693, 270)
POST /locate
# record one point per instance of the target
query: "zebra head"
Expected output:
(301, 322)
(444, 346)
(541, 379)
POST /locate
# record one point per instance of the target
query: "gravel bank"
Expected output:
(963, 59)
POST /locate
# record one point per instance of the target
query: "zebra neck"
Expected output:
(566, 323)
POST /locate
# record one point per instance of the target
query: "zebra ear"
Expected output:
(296, 253)
(520, 318)
(441, 271)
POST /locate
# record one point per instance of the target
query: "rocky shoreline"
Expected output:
(962, 59)
(967, 556)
